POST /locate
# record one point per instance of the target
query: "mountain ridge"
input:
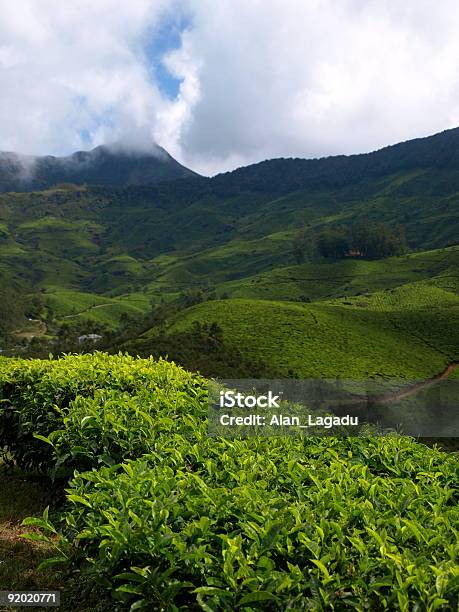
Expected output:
(113, 165)
(108, 165)
(437, 150)
(197, 231)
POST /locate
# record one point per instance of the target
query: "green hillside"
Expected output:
(229, 227)
(394, 318)
(71, 306)
(104, 255)
(336, 339)
(324, 280)
(66, 233)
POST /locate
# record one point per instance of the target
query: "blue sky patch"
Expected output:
(164, 39)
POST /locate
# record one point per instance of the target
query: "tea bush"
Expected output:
(293, 524)
(167, 518)
(38, 397)
(114, 426)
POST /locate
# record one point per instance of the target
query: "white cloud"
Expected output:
(319, 77)
(73, 67)
(260, 78)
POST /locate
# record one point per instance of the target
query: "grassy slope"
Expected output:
(210, 235)
(76, 305)
(314, 281)
(399, 317)
(90, 248)
(348, 277)
(406, 333)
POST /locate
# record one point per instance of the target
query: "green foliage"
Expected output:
(300, 247)
(167, 517)
(333, 243)
(378, 240)
(372, 240)
(37, 396)
(13, 305)
(204, 348)
(288, 524)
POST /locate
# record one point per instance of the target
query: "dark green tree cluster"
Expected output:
(333, 243)
(300, 247)
(370, 240)
(378, 240)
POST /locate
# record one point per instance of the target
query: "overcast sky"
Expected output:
(224, 83)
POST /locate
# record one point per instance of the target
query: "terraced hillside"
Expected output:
(325, 280)
(99, 255)
(399, 317)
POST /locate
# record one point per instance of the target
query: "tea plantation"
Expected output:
(407, 333)
(162, 517)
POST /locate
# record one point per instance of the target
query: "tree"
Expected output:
(378, 240)
(12, 304)
(333, 243)
(372, 240)
(299, 247)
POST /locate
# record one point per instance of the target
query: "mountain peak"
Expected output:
(111, 164)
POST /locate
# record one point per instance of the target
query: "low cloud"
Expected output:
(259, 78)
(74, 74)
(17, 167)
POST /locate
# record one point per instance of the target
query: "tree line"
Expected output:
(365, 239)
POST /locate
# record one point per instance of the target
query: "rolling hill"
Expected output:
(406, 330)
(213, 230)
(203, 271)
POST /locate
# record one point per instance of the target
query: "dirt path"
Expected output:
(77, 314)
(388, 398)
(448, 444)
(367, 405)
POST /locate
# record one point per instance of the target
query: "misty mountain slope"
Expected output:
(104, 165)
(207, 231)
